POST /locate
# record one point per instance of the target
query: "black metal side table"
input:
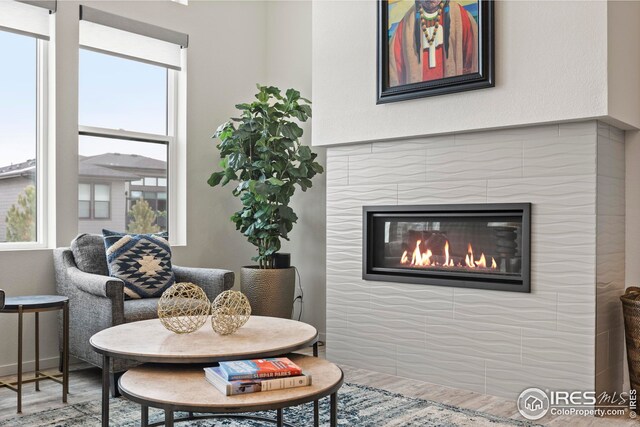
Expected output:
(37, 304)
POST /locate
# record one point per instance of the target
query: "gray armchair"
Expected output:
(96, 300)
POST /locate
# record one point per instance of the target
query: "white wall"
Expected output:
(226, 58)
(549, 69)
(289, 65)
(624, 61)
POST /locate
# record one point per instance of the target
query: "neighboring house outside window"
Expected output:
(124, 176)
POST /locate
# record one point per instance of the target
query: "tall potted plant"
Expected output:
(261, 151)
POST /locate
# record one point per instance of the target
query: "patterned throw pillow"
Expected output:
(141, 261)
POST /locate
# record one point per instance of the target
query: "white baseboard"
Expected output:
(28, 366)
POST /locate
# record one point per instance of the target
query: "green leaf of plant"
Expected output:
(287, 213)
(262, 189)
(215, 178)
(306, 109)
(291, 130)
(275, 181)
(317, 168)
(292, 95)
(304, 153)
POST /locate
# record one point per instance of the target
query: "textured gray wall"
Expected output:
(487, 341)
(610, 268)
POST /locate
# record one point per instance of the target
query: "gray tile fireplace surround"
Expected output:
(566, 334)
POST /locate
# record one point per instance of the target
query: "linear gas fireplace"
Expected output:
(484, 246)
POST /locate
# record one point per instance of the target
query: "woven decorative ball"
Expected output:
(183, 308)
(229, 311)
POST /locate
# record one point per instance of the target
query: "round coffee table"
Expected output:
(148, 341)
(184, 388)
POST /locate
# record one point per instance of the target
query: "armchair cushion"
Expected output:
(141, 261)
(140, 309)
(89, 254)
(212, 280)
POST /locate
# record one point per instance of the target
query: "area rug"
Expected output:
(357, 406)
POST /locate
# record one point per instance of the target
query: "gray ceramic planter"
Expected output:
(270, 291)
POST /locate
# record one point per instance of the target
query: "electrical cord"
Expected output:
(299, 297)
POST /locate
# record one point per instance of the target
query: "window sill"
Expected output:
(21, 247)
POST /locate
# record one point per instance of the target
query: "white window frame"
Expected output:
(175, 141)
(43, 232)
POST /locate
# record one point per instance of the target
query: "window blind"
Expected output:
(108, 33)
(27, 17)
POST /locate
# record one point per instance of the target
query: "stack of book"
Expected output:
(250, 376)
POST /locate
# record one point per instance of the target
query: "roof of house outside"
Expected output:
(125, 161)
(96, 171)
(18, 169)
(112, 166)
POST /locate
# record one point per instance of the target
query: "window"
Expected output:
(23, 88)
(130, 92)
(84, 201)
(119, 99)
(101, 201)
(152, 182)
(94, 201)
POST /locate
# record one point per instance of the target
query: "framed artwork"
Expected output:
(434, 47)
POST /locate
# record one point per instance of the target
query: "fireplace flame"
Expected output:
(482, 263)
(427, 259)
(468, 260)
(416, 259)
(446, 254)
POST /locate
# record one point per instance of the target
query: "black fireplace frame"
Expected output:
(521, 283)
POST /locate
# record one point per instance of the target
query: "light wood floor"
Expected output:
(85, 385)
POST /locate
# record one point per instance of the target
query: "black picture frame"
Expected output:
(484, 78)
